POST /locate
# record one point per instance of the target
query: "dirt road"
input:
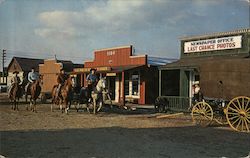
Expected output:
(113, 133)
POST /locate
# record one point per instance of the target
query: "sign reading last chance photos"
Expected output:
(232, 42)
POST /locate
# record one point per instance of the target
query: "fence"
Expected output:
(176, 103)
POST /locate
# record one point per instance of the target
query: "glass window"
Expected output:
(126, 86)
(135, 84)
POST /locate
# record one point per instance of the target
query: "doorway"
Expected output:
(111, 86)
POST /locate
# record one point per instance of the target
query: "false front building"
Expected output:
(130, 78)
(219, 62)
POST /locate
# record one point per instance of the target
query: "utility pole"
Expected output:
(3, 60)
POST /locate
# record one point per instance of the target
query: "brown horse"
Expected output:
(35, 90)
(64, 100)
(14, 95)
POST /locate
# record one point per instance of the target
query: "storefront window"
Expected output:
(126, 86)
(135, 84)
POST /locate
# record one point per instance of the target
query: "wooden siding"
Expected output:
(49, 71)
(234, 74)
(116, 57)
(14, 66)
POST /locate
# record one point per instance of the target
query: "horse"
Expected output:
(64, 100)
(14, 95)
(97, 96)
(35, 90)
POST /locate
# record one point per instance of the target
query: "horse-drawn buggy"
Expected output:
(225, 86)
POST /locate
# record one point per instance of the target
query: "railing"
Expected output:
(176, 103)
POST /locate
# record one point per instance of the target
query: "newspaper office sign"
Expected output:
(231, 42)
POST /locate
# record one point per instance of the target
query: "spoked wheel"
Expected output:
(238, 114)
(202, 114)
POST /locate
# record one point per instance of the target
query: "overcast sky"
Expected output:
(73, 29)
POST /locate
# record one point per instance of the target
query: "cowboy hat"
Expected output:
(92, 69)
(196, 82)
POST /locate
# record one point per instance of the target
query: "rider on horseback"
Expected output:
(92, 80)
(61, 78)
(32, 77)
(14, 80)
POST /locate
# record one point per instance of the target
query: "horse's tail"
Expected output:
(53, 92)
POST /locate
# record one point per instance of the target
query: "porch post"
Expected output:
(123, 89)
(81, 79)
(160, 82)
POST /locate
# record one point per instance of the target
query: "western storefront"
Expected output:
(130, 78)
(219, 62)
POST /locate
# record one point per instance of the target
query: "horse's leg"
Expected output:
(51, 107)
(17, 104)
(94, 102)
(34, 105)
(14, 104)
(26, 98)
(31, 104)
(66, 106)
(61, 107)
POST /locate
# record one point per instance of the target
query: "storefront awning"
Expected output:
(194, 62)
(106, 69)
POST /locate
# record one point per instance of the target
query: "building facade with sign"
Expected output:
(130, 78)
(219, 61)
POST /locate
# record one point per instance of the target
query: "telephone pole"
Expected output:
(3, 59)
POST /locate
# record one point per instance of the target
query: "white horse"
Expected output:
(97, 94)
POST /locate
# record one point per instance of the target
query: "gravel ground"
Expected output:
(113, 133)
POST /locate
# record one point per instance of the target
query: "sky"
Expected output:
(73, 29)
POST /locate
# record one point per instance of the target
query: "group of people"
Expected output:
(32, 77)
(92, 80)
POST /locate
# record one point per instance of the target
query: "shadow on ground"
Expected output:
(123, 142)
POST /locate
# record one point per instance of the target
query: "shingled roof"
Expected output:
(26, 63)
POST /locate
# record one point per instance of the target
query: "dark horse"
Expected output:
(14, 95)
(64, 99)
(35, 90)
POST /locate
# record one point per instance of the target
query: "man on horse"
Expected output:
(14, 80)
(32, 77)
(92, 80)
(61, 78)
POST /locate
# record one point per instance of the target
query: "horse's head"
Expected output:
(37, 83)
(68, 82)
(101, 84)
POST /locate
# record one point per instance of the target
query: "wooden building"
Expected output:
(3, 76)
(130, 78)
(219, 61)
(23, 66)
(49, 71)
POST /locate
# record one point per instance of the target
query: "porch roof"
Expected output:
(116, 69)
(195, 62)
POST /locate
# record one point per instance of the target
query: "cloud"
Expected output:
(151, 24)
(112, 16)
(1, 1)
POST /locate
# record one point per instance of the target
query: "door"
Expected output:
(111, 86)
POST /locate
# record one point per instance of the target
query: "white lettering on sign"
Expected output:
(232, 42)
(111, 52)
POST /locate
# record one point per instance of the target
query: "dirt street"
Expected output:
(113, 133)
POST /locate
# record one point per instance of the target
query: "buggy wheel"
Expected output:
(202, 114)
(238, 114)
